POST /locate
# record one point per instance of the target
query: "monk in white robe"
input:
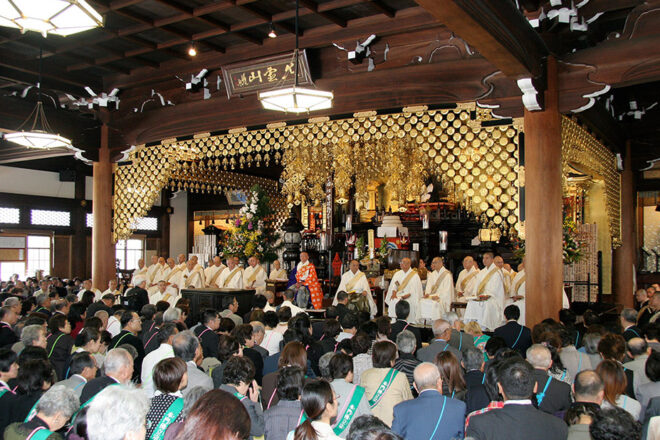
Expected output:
(517, 292)
(506, 273)
(277, 273)
(191, 277)
(232, 276)
(254, 276)
(181, 261)
(165, 273)
(466, 282)
(407, 285)
(354, 282)
(151, 271)
(488, 312)
(140, 272)
(87, 285)
(112, 288)
(165, 293)
(212, 272)
(438, 293)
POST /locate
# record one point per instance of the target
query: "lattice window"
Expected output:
(9, 215)
(50, 218)
(38, 254)
(147, 224)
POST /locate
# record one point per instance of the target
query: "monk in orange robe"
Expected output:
(306, 276)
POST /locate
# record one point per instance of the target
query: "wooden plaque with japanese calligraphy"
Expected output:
(265, 74)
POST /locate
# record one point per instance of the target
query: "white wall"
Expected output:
(35, 183)
(179, 224)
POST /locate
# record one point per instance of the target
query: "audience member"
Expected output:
(293, 354)
(170, 376)
(614, 424)
(284, 417)
(272, 338)
(352, 399)
(402, 311)
(614, 381)
(406, 362)
(238, 379)
(118, 369)
(60, 344)
(83, 368)
(441, 333)
(552, 395)
(320, 406)
(207, 333)
(573, 360)
(228, 347)
(165, 335)
(613, 347)
(628, 321)
(131, 324)
(118, 413)
(651, 389)
(476, 396)
(451, 373)
(216, 415)
(459, 339)
(638, 351)
(186, 346)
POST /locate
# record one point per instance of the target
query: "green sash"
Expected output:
(32, 413)
(54, 344)
(118, 341)
(383, 387)
(73, 417)
(168, 418)
(40, 433)
(2, 392)
(239, 396)
(347, 416)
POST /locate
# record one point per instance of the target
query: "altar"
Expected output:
(202, 299)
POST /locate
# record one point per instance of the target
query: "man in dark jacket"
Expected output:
(131, 324)
(516, 336)
(552, 395)
(136, 297)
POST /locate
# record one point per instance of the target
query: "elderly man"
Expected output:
(466, 281)
(131, 324)
(43, 304)
(505, 271)
(53, 411)
(628, 320)
(589, 393)
(181, 261)
(354, 282)
(412, 419)
(405, 284)
(119, 410)
(552, 395)
(165, 293)
(277, 273)
(112, 288)
(212, 272)
(254, 276)
(441, 333)
(406, 342)
(439, 291)
(649, 313)
(151, 271)
(140, 272)
(306, 276)
(517, 291)
(642, 299)
(87, 285)
(638, 351)
(187, 347)
(7, 320)
(82, 369)
(487, 308)
(192, 277)
(118, 369)
(231, 276)
(137, 296)
(156, 273)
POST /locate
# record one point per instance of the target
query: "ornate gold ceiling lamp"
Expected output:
(296, 99)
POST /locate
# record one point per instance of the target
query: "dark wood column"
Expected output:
(80, 258)
(543, 206)
(624, 256)
(103, 250)
(164, 249)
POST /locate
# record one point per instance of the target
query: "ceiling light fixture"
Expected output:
(191, 50)
(296, 99)
(40, 134)
(272, 33)
(58, 17)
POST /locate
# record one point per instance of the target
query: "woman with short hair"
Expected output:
(293, 354)
(217, 415)
(170, 377)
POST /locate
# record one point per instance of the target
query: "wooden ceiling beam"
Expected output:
(314, 7)
(382, 7)
(497, 30)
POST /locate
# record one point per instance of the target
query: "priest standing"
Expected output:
(354, 282)
(140, 272)
(151, 271)
(506, 272)
(517, 292)
(439, 292)
(407, 285)
(191, 277)
(232, 276)
(488, 312)
(212, 272)
(466, 283)
(306, 276)
(254, 276)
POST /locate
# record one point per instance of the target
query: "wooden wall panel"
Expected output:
(62, 256)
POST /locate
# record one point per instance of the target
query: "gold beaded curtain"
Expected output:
(580, 148)
(477, 165)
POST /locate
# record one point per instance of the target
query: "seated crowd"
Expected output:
(75, 368)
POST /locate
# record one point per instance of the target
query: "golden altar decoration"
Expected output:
(473, 154)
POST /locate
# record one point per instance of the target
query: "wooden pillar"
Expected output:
(80, 258)
(164, 248)
(543, 206)
(625, 255)
(103, 250)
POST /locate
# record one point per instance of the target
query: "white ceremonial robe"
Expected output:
(414, 288)
(490, 313)
(171, 295)
(190, 278)
(259, 279)
(278, 275)
(211, 272)
(236, 281)
(565, 304)
(359, 286)
(507, 278)
(519, 282)
(97, 294)
(160, 274)
(151, 273)
(163, 274)
(431, 308)
(467, 288)
(139, 273)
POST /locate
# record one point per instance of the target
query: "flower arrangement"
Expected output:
(253, 234)
(572, 245)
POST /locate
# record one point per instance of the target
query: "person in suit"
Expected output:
(82, 369)
(442, 333)
(402, 310)
(628, 320)
(651, 389)
(516, 336)
(552, 395)
(517, 419)
(573, 360)
(614, 423)
(638, 351)
(105, 303)
(60, 344)
(244, 334)
(412, 419)
(342, 304)
(141, 295)
(283, 417)
(131, 324)
(187, 347)
(476, 397)
(118, 367)
(207, 333)
(7, 319)
(459, 339)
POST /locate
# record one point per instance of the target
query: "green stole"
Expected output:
(383, 387)
(168, 418)
(345, 419)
